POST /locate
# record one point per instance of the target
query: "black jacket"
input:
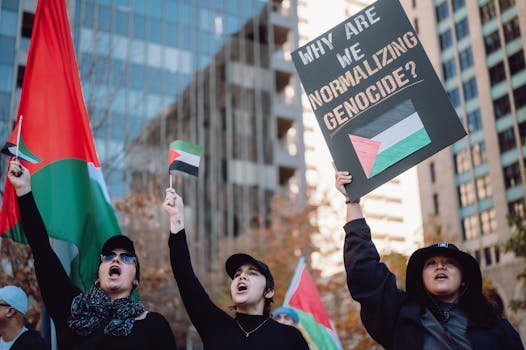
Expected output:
(217, 329)
(29, 340)
(392, 317)
(58, 292)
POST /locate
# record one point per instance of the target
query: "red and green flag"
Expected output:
(57, 147)
(303, 297)
(184, 156)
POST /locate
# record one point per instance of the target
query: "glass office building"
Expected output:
(213, 72)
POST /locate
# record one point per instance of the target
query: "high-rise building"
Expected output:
(212, 72)
(477, 48)
(392, 210)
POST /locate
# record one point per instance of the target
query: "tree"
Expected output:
(517, 245)
(16, 267)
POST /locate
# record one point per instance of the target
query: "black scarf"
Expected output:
(93, 309)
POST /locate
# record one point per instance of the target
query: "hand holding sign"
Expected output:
(379, 103)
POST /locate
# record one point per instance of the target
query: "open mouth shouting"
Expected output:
(115, 271)
(242, 287)
(441, 276)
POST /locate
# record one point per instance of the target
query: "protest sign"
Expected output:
(377, 99)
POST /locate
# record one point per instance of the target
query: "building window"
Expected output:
(487, 12)
(474, 120)
(20, 76)
(470, 89)
(492, 42)
(518, 208)
(462, 162)
(512, 175)
(470, 227)
(488, 221)
(516, 62)
(505, 4)
(462, 29)
(501, 106)
(436, 208)
(466, 194)
(477, 256)
(454, 97)
(522, 132)
(449, 68)
(478, 153)
(446, 40)
(511, 30)
(466, 58)
(27, 24)
(519, 94)
(483, 185)
(458, 4)
(432, 172)
(487, 256)
(442, 11)
(413, 3)
(417, 29)
(506, 140)
(496, 73)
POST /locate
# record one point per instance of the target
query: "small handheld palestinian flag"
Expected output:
(184, 156)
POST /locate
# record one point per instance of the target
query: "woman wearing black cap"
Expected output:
(443, 307)
(105, 317)
(252, 290)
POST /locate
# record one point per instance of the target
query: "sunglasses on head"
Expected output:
(126, 258)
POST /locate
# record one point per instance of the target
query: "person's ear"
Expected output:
(135, 284)
(269, 293)
(11, 312)
(97, 282)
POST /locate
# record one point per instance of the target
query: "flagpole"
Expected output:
(18, 136)
(170, 180)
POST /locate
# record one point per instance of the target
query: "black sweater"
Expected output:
(29, 340)
(217, 329)
(58, 292)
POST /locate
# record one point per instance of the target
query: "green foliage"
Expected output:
(517, 245)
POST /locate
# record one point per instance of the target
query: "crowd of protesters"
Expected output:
(442, 307)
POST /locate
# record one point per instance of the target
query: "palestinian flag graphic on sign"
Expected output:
(57, 147)
(184, 156)
(389, 138)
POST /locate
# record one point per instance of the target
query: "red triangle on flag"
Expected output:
(172, 156)
(366, 150)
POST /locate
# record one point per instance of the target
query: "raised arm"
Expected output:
(370, 281)
(55, 286)
(202, 311)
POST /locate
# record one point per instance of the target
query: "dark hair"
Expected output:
(267, 308)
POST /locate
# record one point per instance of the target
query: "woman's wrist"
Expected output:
(22, 191)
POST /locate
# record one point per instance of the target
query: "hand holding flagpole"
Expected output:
(18, 136)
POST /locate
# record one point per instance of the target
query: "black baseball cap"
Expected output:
(122, 242)
(240, 259)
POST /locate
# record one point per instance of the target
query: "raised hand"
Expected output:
(19, 177)
(174, 207)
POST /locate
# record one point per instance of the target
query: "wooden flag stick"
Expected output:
(170, 180)
(18, 136)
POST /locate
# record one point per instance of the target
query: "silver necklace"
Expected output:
(247, 333)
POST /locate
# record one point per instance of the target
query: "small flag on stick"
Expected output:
(184, 156)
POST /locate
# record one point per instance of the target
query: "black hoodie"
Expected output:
(393, 317)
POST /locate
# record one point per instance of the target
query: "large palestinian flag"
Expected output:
(57, 147)
(389, 138)
(304, 298)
